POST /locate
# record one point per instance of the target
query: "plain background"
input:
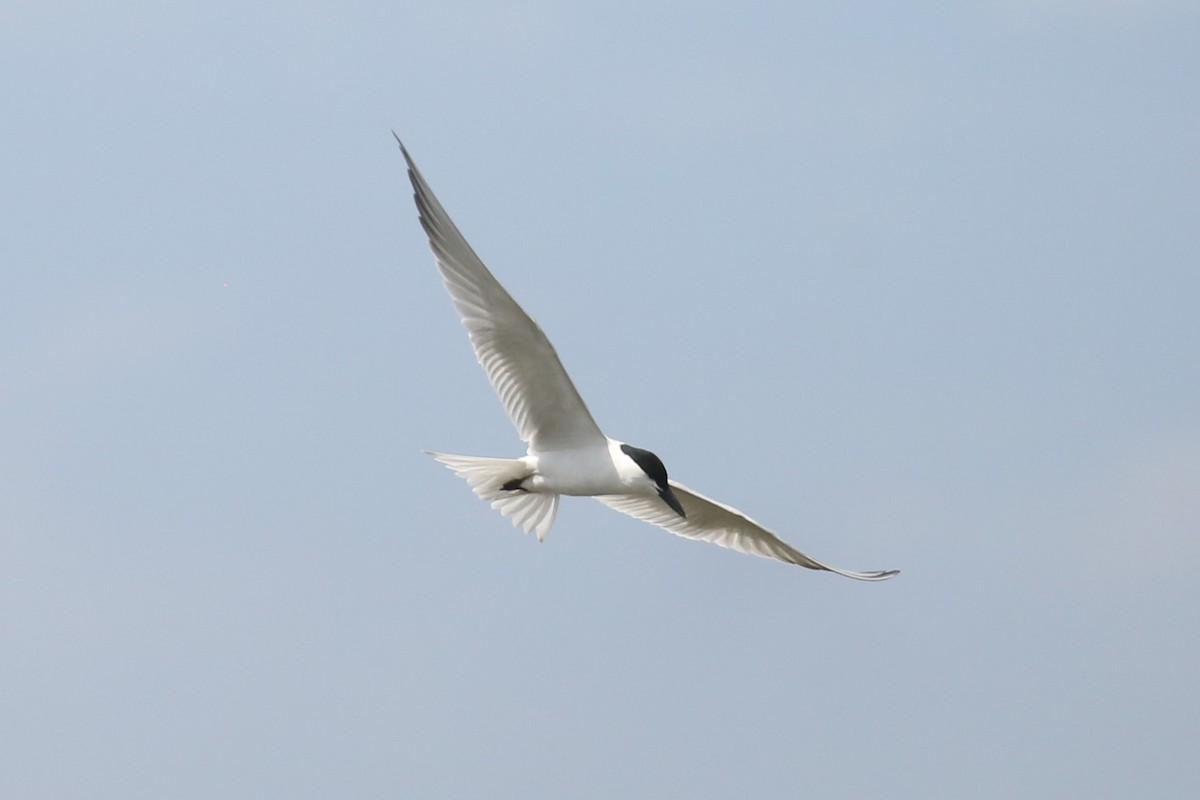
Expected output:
(915, 284)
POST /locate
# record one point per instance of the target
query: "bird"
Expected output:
(567, 453)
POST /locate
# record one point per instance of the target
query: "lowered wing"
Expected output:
(710, 521)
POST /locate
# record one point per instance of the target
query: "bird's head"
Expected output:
(653, 467)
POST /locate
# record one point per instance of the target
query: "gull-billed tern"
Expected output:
(567, 453)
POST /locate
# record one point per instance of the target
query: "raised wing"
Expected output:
(710, 521)
(519, 360)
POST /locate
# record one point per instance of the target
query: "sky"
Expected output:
(915, 285)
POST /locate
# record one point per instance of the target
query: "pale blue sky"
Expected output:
(915, 284)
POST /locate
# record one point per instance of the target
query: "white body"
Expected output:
(588, 471)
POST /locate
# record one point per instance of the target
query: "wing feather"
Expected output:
(519, 360)
(710, 521)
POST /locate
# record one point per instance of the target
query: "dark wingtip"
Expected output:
(880, 575)
(403, 149)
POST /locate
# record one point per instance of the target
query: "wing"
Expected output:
(519, 360)
(710, 521)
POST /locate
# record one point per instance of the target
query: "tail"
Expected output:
(532, 511)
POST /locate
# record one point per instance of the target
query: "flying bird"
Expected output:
(567, 452)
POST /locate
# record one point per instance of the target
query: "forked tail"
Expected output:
(531, 511)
